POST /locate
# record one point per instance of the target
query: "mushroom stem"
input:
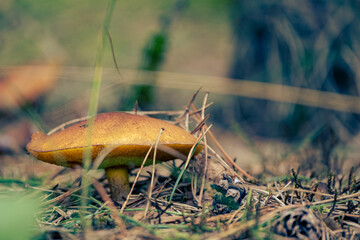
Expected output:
(118, 178)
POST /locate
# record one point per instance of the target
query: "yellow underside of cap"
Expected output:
(124, 155)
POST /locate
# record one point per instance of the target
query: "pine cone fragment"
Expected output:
(300, 223)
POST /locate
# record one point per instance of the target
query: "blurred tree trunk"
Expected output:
(308, 44)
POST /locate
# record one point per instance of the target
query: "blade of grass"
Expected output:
(93, 106)
(113, 54)
(205, 150)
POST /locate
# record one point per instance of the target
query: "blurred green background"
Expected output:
(42, 30)
(309, 44)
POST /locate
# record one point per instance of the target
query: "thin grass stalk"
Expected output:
(272, 196)
(222, 150)
(61, 197)
(113, 211)
(102, 155)
(194, 186)
(191, 153)
(153, 173)
(192, 99)
(206, 152)
(236, 213)
(102, 206)
(126, 218)
(92, 110)
(62, 126)
(137, 175)
(187, 121)
(136, 179)
(113, 54)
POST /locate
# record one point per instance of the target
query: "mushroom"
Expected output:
(130, 135)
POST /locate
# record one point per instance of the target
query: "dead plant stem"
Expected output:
(118, 220)
(227, 157)
(153, 173)
(204, 173)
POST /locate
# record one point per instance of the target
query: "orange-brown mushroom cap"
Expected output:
(130, 135)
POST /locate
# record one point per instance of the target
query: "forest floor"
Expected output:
(297, 193)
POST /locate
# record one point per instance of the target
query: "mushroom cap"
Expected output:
(130, 135)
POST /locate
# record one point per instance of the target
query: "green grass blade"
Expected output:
(93, 105)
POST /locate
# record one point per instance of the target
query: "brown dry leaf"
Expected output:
(26, 83)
